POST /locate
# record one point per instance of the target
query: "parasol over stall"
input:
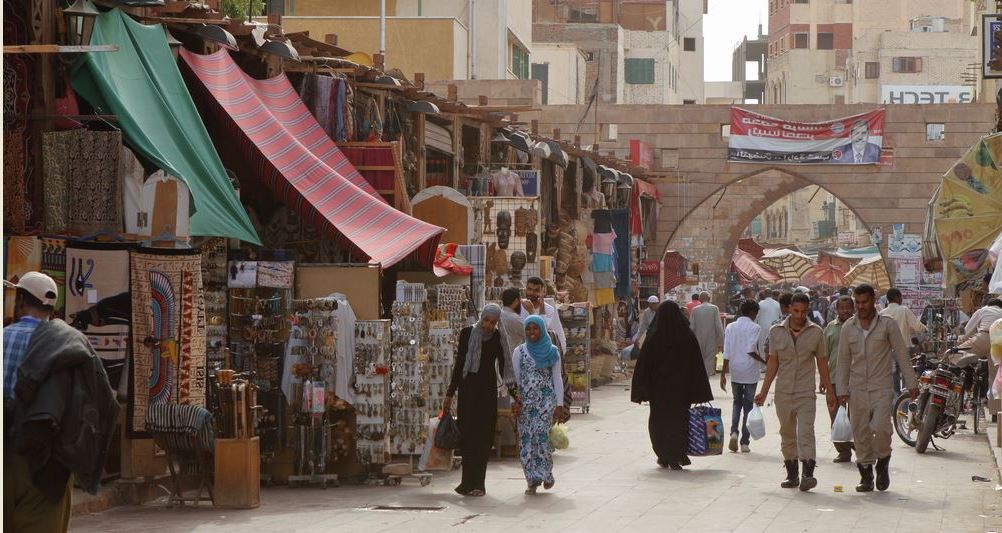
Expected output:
(750, 270)
(968, 211)
(825, 274)
(870, 271)
(790, 265)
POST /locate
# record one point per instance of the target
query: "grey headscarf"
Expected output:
(477, 338)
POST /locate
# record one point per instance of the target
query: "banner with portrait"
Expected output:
(853, 140)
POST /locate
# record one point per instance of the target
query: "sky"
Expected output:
(727, 22)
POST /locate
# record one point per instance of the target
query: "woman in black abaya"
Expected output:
(671, 376)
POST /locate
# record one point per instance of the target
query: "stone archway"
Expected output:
(709, 232)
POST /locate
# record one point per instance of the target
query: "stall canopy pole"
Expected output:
(382, 29)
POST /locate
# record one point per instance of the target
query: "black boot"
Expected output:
(883, 473)
(865, 478)
(807, 481)
(792, 475)
(844, 450)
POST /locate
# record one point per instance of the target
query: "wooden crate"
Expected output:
(238, 473)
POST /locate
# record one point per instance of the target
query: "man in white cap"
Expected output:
(646, 319)
(59, 411)
(33, 301)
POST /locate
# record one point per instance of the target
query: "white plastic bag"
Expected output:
(841, 430)
(756, 423)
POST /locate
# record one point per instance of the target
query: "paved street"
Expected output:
(607, 481)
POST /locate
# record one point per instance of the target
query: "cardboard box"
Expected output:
(238, 473)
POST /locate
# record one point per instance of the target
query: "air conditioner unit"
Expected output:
(836, 81)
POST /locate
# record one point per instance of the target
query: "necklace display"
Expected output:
(409, 380)
(372, 389)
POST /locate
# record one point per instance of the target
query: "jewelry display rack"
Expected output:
(409, 378)
(372, 389)
(315, 336)
(576, 319)
(447, 317)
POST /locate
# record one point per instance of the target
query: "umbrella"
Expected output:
(749, 245)
(790, 265)
(824, 274)
(750, 269)
(968, 212)
(870, 272)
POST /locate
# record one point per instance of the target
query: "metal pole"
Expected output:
(472, 46)
(382, 29)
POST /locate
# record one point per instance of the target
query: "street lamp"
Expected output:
(80, 19)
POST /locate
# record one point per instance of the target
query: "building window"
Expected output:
(801, 40)
(725, 131)
(640, 70)
(935, 132)
(689, 44)
(839, 99)
(519, 62)
(541, 72)
(872, 70)
(801, 1)
(826, 41)
(907, 65)
(688, 102)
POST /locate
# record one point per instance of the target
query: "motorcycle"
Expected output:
(945, 392)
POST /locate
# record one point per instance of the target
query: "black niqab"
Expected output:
(670, 365)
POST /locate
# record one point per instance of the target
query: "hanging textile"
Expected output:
(168, 338)
(81, 181)
(621, 226)
(97, 296)
(24, 254)
(18, 73)
(54, 265)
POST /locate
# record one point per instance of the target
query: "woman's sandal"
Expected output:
(531, 491)
(476, 493)
(549, 485)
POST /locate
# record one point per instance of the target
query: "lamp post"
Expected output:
(80, 19)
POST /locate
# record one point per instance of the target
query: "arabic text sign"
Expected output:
(853, 140)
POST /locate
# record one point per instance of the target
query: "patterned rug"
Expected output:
(54, 264)
(168, 332)
(24, 254)
(97, 301)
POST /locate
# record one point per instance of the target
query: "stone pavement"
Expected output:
(607, 481)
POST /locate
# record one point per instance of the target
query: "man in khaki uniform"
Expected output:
(797, 351)
(863, 380)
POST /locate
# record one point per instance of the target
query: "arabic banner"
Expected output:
(855, 140)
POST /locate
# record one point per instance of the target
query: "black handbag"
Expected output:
(447, 436)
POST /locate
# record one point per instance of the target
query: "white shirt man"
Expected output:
(768, 312)
(906, 320)
(741, 339)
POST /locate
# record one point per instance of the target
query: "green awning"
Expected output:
(141, 84)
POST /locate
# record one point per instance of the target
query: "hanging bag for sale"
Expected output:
(706, 431)
(841, 429)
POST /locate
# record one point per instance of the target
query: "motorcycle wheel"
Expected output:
(929, 422)
(901, 415)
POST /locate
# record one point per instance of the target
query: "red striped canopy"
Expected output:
(300, 163)
(750, 269)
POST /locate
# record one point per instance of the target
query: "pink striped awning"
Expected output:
(299, 162)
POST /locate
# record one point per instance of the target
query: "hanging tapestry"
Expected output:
(97, 296)
(24, 254)
(168, 333)
(275, 274)
(54, 265)
(18, 73)
(55, 178)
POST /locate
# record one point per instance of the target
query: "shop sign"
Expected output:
(852, 140)
(649, 268)
(641, 154)
(530, 182)
(926, 94)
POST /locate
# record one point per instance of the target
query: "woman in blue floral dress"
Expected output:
(536, 365)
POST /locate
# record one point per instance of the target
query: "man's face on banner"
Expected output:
(859, 135)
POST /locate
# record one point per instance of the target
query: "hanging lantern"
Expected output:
(80, 19)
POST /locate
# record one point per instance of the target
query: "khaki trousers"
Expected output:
(25, 509)
(796, 425)
(870, 416)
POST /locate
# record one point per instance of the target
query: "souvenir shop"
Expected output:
(260, 341)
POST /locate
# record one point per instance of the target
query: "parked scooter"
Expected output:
(945, 392)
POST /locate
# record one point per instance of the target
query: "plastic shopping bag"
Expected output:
(447, 436)
(756, 423)
(841, 430)
(720, 361)
(558, 437)
(433, 457)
